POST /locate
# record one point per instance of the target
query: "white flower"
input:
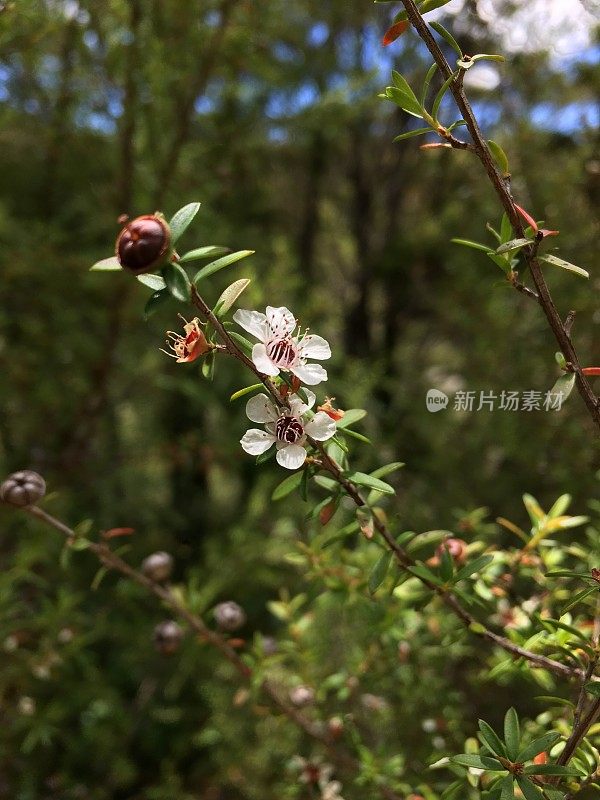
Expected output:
(287, 428)
(277, 349)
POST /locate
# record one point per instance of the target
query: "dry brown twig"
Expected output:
(479, 146)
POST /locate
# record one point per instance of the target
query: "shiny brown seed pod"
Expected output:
(143, 244)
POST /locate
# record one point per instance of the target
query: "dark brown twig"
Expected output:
(402, 558)
(482, 151)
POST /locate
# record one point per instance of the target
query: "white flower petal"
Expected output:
(314, 347)
(281, 322)
(297, 407)
(261, 360)
(292, 456)
(253, 322)
(260, 409)
(311, 374)
(256, 441)
(320, 427)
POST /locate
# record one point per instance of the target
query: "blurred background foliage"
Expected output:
(267, 113)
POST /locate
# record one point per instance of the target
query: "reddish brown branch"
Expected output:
(482, 150)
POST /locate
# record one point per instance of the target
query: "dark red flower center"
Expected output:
(281, 352)
(289, 430)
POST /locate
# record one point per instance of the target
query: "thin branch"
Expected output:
(112, 561)
(403, 559)
(482, 150)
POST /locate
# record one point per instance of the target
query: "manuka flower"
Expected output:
(278, 349)
(287, 428)
(188, 346)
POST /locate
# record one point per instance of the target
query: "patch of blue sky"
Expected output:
(205, 105)
(566, 119)
(317, 35)
(287, 103)
(277, 134)
(284, 53)
(98, 121)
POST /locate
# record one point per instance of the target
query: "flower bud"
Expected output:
(23, 488)
(335, 726)
(143, 244)
(456, 547)
(167, 637)
(158, 566)
(302, 696)
(229, 616)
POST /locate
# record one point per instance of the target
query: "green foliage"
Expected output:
(352, 232)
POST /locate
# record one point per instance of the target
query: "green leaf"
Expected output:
(491, 739)
(424, 7)
(287, 486)
(560, 262)
(425, 574)
(245, 390)
(540, 745)
(446, 565)
(593, 688)
(410, 134)
(579, 597)
(106, 265)
(182, 219)
(208, 367)
(475, 245)
(477, 762)
(560, 359)
(487, 57)
(430, 73)
(155, 301)
(500, 156)
(177, 282)
(326, 483)
(379, 571)
(535, 511)
(362, 479)
(512, 733)
(550, 769)
(567, 573)
(564, 385)
(512, 246)
(241, 341)
(211, 251)
(405, 99)
(155, 282)
(447, 36)
(560, 506)
(530, 791)
(440, 96)
(473, 566)
(351, 416)
(381, 472)
(221, 263)
(551, 700)
(265, 456)
(230, 295)
(356, 435)
(506, 790)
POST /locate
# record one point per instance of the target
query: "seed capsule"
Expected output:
(229, 616)
(23, 488)
(158, 566)
(167, 637)
(143, 244)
